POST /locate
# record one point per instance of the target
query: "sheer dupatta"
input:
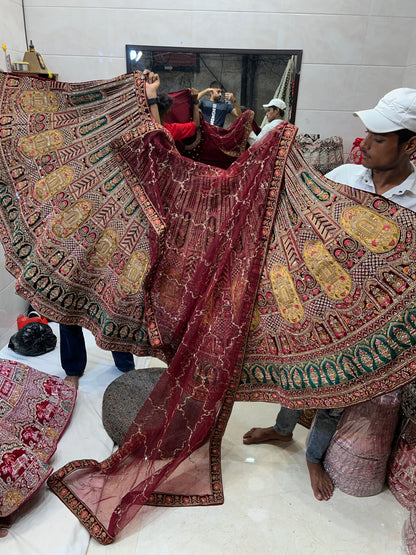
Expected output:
(212, 285)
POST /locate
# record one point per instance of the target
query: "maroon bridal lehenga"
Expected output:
(255, 279)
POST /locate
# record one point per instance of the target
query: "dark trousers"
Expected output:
(74, 354)
(325, 424)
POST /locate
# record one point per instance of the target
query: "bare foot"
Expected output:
(321, 483)
(73, 381)
(5, 523)
(264, 435)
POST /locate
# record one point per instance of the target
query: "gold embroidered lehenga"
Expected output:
(258, 281)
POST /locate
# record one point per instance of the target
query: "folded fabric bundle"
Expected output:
(357, 457)
(35, 409)
(323, 154)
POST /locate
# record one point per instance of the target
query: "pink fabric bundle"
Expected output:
(409, 533)
(356, 459)
(35, 409)
(401, 477)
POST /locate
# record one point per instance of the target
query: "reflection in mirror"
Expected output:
(253, 76)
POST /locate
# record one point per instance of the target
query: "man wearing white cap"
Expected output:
(275, 110)
(386, 170)
(391, 139)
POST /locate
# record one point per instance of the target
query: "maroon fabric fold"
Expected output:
(333, 318)
(214, 145)
(208, 333)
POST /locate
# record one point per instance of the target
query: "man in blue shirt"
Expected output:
(215, 110)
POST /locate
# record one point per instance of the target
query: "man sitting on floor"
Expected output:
(386, 170)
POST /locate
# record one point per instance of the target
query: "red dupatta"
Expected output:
(208, 333)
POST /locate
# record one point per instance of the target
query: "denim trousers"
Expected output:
(323, 428)
(74, 354)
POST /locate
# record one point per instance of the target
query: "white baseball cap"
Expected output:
(396, 110)
(276, 103)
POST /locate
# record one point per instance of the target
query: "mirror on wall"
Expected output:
(253, 76)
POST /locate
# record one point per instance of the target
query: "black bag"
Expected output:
(33, 339)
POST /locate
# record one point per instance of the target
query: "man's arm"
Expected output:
(195, 112)
(203, 93)
(236, 111)
(152, 85)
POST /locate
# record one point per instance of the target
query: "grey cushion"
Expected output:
(124, 397)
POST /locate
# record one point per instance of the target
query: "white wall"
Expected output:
(354, 51)
(410, 71)
(12, 32)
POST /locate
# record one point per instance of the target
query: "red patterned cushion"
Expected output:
(355, 156)
(402, 472)
(35, 409)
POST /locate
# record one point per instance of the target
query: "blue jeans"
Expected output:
(74, 354)
(325, 424)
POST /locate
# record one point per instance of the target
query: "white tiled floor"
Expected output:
(269, 507)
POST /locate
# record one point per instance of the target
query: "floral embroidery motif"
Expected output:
(287, 299)
(333, 279)
(377, 233)
(53, 183)
(42, 143)
(39, 102)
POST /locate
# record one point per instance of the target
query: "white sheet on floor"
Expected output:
(269, 507)
(44, 525)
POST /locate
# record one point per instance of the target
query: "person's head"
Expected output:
(275, 109)
(164, 104)
(216, 91)
(391, 130)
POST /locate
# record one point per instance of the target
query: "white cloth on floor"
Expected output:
(43, 524)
